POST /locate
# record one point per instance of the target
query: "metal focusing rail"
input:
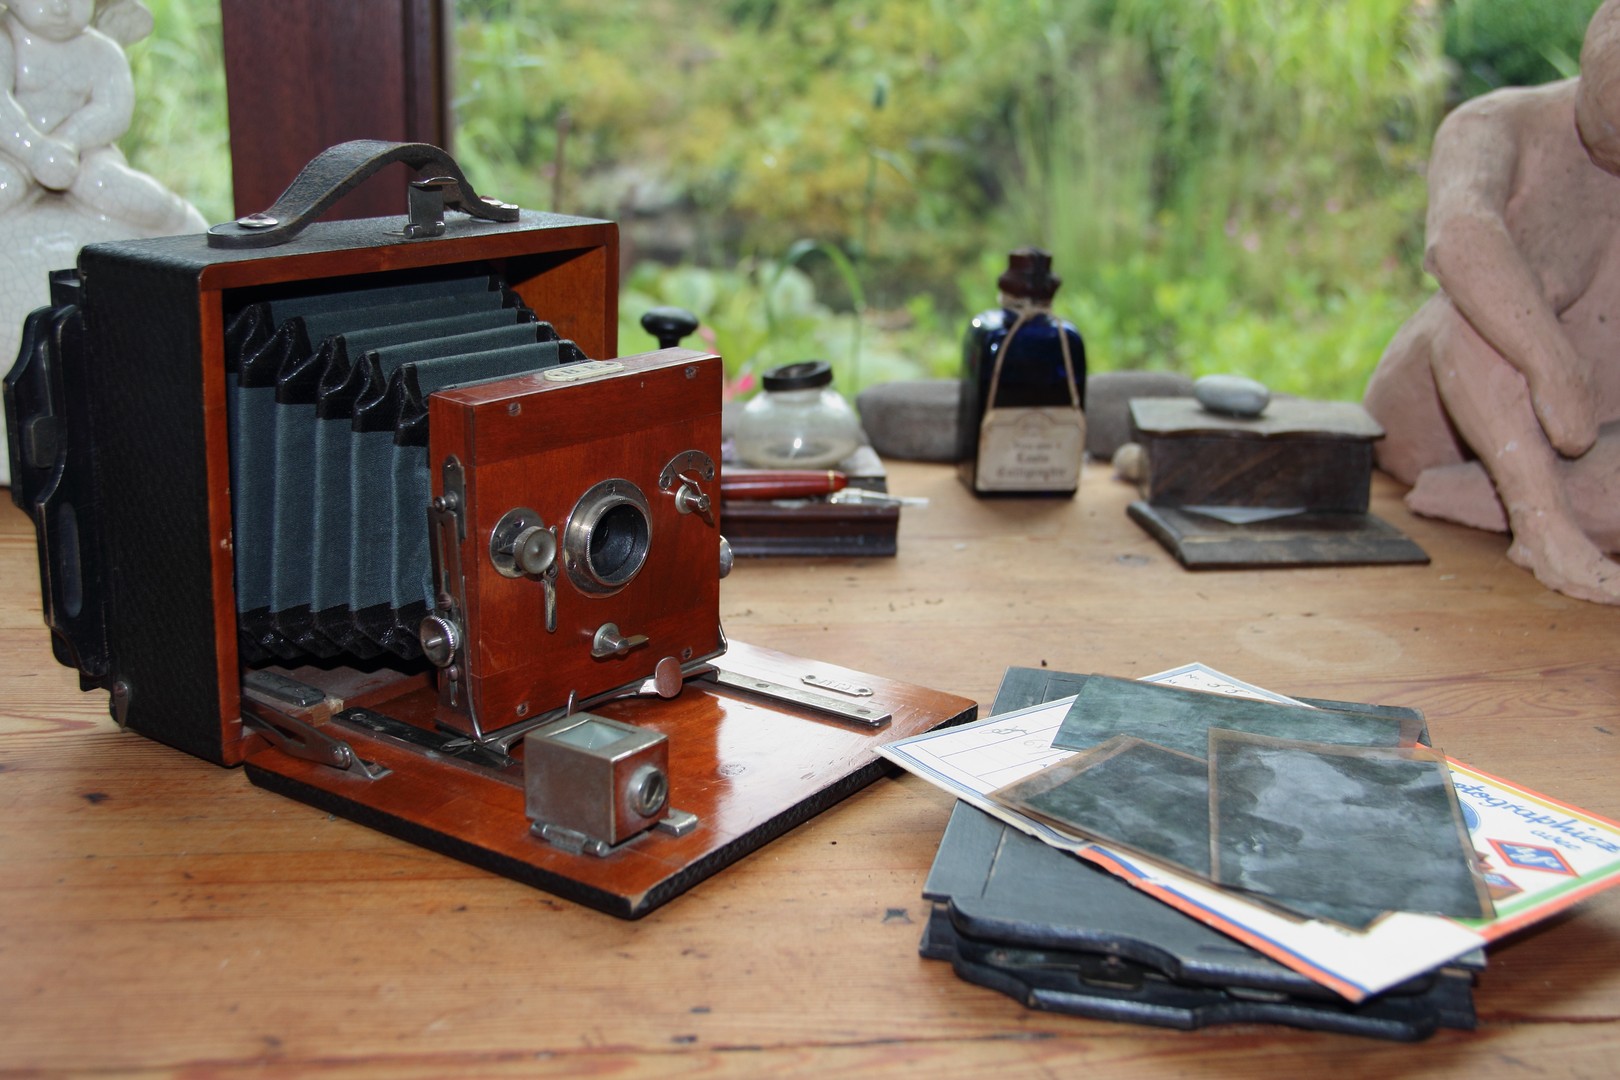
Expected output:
(492, 753)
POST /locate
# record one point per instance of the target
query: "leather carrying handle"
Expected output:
(336, 171)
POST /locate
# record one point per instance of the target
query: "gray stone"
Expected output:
(1108, 404)
(1232, 395)
(917, 420)
(912, 420)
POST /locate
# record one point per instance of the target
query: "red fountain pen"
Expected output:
(780, 483)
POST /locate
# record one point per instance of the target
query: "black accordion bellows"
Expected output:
(327, 397)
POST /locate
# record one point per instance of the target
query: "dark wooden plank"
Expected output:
(759, 527)
(302, 75)
(1315, 539)
(1310, 474)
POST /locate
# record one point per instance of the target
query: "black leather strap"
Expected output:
(336, 171)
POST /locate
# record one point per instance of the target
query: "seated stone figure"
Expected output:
(66, 97)
(1501, 396)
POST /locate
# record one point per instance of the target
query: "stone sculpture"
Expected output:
(66, 97)
(1501, 396)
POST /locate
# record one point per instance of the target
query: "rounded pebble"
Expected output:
(912, 420)
(1232, 395)
(1130, 463)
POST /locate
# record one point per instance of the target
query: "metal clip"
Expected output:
(610, 641)
(443, 634)
(867, 497)
(425, 207)
(692, 499)
(871, 716)
(295, 738)
(683, 478)
(119, 703)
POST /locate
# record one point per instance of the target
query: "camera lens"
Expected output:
(618, 543)
(607, 537)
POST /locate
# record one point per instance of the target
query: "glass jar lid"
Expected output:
(804, 375)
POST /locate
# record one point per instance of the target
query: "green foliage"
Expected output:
(1225, 184)
(1513, 43)
(862, 123)
(179, 132)
(1236, 185)
(762, 314)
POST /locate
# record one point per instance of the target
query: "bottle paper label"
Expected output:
(1032, 449)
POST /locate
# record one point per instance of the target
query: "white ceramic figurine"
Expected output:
(66, 97)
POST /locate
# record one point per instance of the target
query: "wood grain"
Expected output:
(162, 914)
(748, 768)
(304, 75)
(527, 443)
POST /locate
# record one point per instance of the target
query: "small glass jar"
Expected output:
(798, 422)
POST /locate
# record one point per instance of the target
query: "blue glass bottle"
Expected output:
(1014, 370)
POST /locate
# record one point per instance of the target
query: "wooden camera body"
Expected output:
(293, 515)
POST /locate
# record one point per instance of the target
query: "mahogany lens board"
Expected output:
(749, 768)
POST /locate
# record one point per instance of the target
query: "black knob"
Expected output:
(669, 325)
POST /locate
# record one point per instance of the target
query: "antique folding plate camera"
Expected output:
(371, 508)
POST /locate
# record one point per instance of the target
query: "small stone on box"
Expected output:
(1232, 395)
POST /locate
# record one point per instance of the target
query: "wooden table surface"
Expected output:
(158, 913)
